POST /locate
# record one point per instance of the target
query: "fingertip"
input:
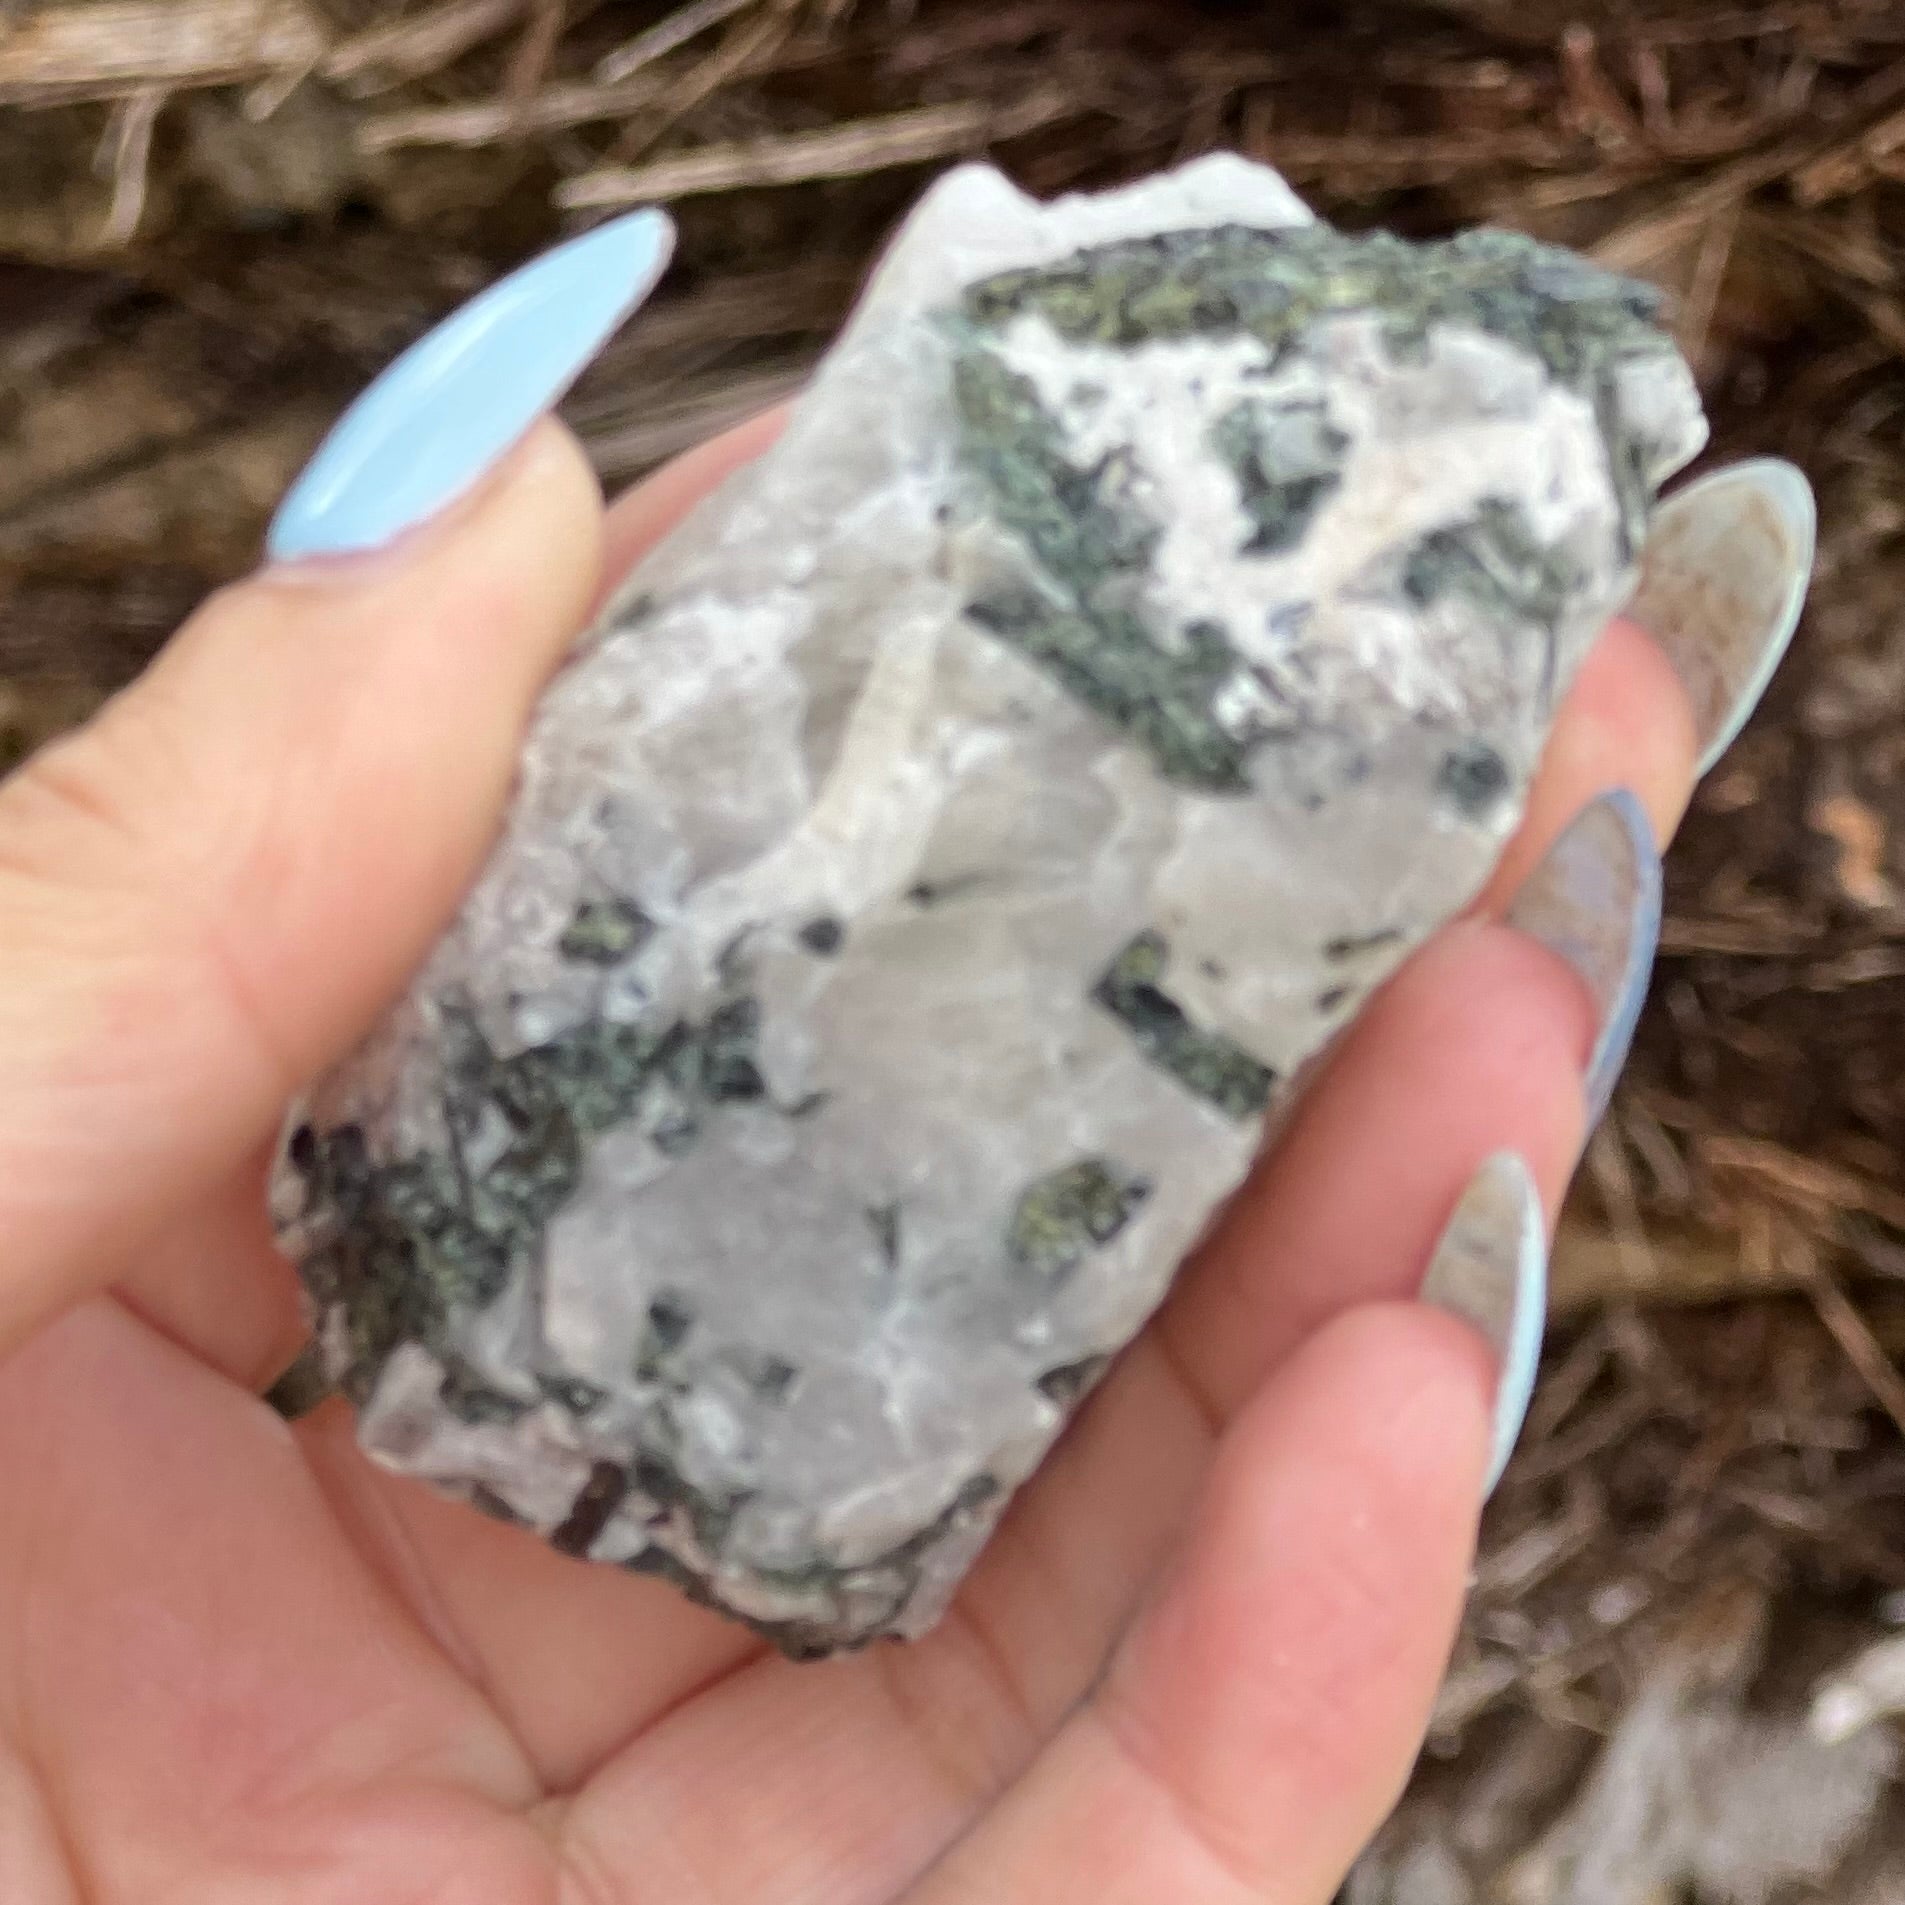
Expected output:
(1479, 1042)
(543, 489)
(1402, 1400)
(1634, 698)
(1286, 1670)
(638, 519)
(1626, 723)
(1345, 1497)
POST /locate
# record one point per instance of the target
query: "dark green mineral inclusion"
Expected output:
(1474, 778)
(1095, 548)
(1498, 565)
(885, 1220)
(1201, 1061)
(419, 1238)
(1088, 530)
(1354, 944)
(772, 1378)
(823, 935)
(1286, 458)
(1066, 1215)
(469, 1398)
(1233, 280)
(1497, 562)
(605, 932)
(1066, 1385)
(592, 1509)
(302, 1386)
(575, 1395)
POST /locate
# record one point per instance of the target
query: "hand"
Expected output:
(238, 1663)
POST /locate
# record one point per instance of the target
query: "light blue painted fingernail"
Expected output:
(1595, 899)
(1723, 578)
(460, 397)
(1491, 1269)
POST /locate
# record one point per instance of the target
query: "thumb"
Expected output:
(210, 891)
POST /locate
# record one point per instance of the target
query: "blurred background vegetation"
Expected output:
(219, 217)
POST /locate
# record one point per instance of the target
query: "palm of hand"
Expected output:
(244, 1663)
(236, 1662)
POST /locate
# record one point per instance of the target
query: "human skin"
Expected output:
(237, 1663)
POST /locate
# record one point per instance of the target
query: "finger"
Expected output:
(211, 890)
(639, 520)
(1626, 722)
(1261, 1717)
(216, 1283)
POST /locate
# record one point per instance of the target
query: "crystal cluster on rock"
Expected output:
(941, 858)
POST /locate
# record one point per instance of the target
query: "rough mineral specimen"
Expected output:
(932, 870)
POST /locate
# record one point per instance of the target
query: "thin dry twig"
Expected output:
(393, 51)
(1862, 1349)
(840, 152)
(668, 426)
(1364, 162)
(1804, 1181)
(664, 37)
(132, 46)
(268, 95)
(129, 141)
(1607, 1160)
(1747, 938)
(1841, 172)
(758, 44)
(1710, 26)
(1595, 104)
(556, 108)
(1698, 308)
(529, 63)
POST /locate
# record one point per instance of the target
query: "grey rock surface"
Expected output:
(929, 876)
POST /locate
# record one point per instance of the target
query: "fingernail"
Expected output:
(1594, 898)
(1491, 1269)
(449, 408)
(1723, 578)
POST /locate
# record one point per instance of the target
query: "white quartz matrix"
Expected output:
(930, 873)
